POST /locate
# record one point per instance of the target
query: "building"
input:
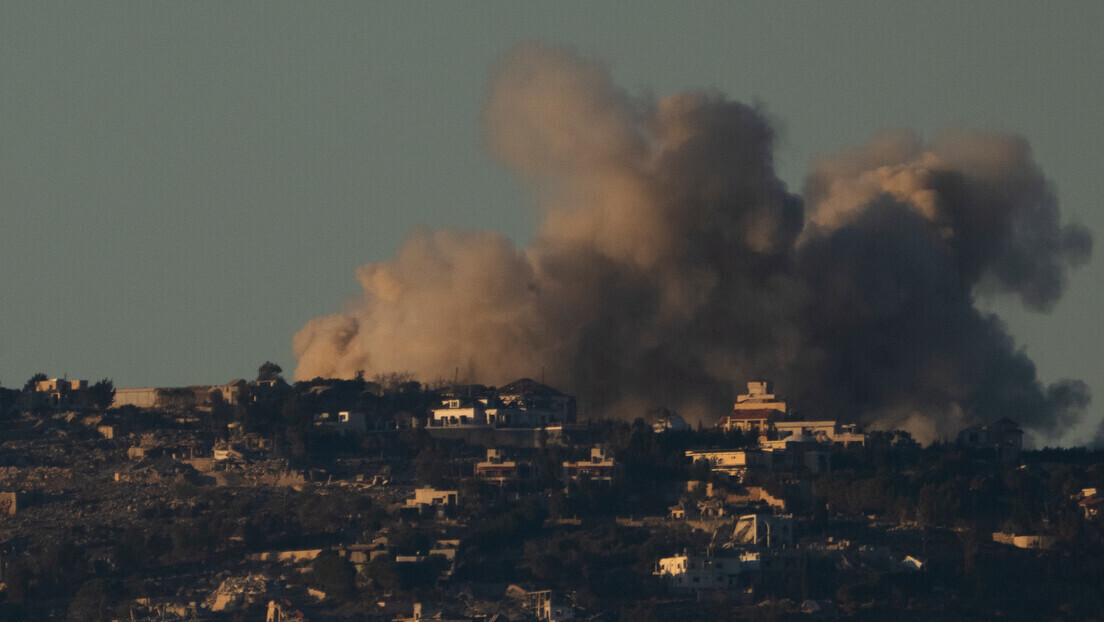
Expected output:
(688, 573)
(755, 410)
(792, 454)
(600, 468)
(760, 396)
(765, 530)
(344, 422)
(547, 608)
(733, 462)
(751, 420)
(824, 432)
(433, 502)
(1001, 441)
(496, 469)
(234, 392)
(62, 394)
(463, 412)
(536, 404)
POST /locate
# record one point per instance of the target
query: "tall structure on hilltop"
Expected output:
(760, 396)
(755, 410)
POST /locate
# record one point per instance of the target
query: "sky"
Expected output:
(184, 185)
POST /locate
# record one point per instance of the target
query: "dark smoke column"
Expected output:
(901, 239)
(671, 265)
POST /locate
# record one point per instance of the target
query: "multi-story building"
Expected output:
(1003, 439)
(600, 468)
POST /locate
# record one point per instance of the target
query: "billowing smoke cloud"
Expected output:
(672, 265)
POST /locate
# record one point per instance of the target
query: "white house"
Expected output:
(684, 573)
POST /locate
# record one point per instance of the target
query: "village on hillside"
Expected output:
(384, 499)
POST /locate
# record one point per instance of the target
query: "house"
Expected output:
(541, 404)
(752, 420)
(344, 422)
(496, 469)
(1002, 440)
(600, 468)
(234, 392)
(733, 462)
(463, 412)
(687, 573)
(62, 394)
(825, 432)
(430, 501)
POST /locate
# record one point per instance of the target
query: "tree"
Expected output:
(269, 371)
(381, 572)
(102, 394)
(35, 379)
(334, 575)
(92, 602)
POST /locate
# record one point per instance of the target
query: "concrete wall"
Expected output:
(145, 397)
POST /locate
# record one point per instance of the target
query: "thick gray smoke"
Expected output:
(672, 265)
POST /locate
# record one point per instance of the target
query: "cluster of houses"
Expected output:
(523, 403)
(758, 548)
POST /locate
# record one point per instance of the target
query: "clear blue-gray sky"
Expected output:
(184, 185)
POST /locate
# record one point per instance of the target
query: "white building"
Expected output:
(684, 573)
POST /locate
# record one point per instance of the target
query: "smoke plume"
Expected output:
(672, 265)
